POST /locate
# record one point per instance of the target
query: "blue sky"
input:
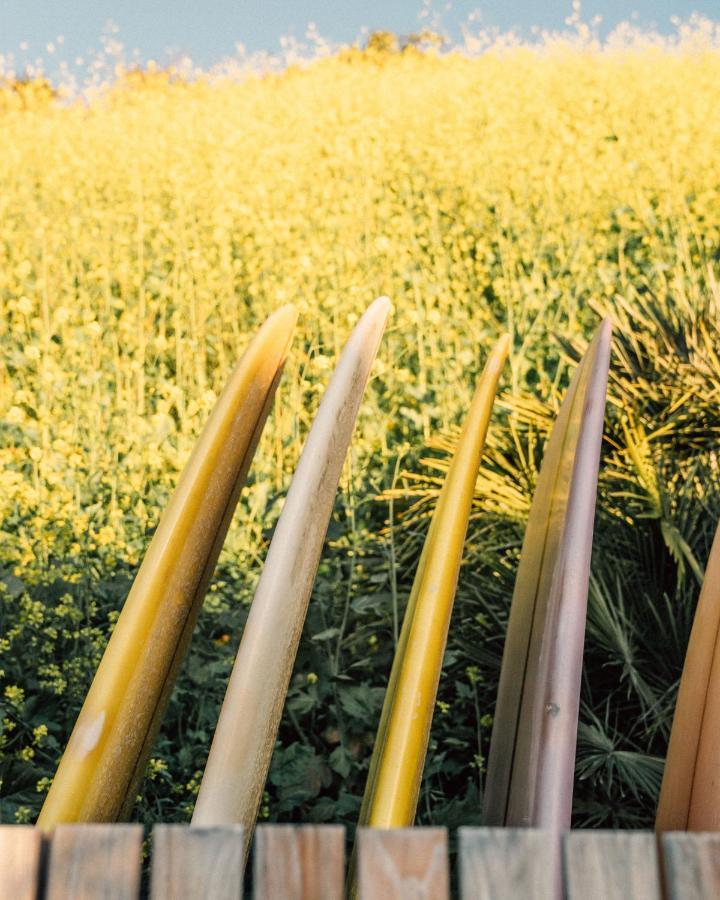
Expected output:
(208, 30)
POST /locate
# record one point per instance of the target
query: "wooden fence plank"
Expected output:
(403, 864)
(91, 861)
(197, 863)
(498, 863)
(692, 865)
(304, 862)
(611, 865)
(20, 847)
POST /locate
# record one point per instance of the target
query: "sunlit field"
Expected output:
(146, 234)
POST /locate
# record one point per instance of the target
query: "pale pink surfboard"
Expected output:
(532, 752)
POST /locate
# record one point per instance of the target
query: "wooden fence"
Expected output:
(88, 862)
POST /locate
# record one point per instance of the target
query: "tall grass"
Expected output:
(144, 236)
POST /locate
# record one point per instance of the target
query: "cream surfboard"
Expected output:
(532, 751)
(234, 778)
(105, 758)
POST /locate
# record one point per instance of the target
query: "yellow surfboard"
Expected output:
(237, 767)
(396, 767)
(532, 750)
(105, 759)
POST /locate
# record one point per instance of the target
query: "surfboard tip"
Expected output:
(281, 324)
(381, 306)
(286, 315)
(372, 322)
(502, 347)
(603, 338)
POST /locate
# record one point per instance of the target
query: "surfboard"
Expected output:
(398, 759)
(236, 770)
(531, 761)
(103, 763)
(690, 791)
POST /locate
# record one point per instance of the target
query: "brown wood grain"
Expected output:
(403, 864)
(20, 847)
(299, 862)
(197, 863)
(502, 863)
(88, 862)
(611, 865)
(692, 865)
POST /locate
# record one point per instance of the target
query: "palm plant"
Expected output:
(658, 505)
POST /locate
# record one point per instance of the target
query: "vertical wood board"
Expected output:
(403, 864)
(20, 851)
(197, 863)
(299, 862)
(692, 865)
(502, 863)
(88, 862)
(611, 865)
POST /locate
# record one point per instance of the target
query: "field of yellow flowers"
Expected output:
(143, 238)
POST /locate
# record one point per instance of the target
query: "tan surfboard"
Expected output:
(105, 759)
(237, 767)
(532, 751)
(690, 792)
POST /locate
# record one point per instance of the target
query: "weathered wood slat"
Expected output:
(299, 862)
(91, 861)
(197, 863)
(499, 863)
(692, 865)
(611, 865)
(20, 848)
(403, 864)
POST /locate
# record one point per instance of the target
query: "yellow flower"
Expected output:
(25, 306)
(105, 536)
(14, 416)
(14, 695)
